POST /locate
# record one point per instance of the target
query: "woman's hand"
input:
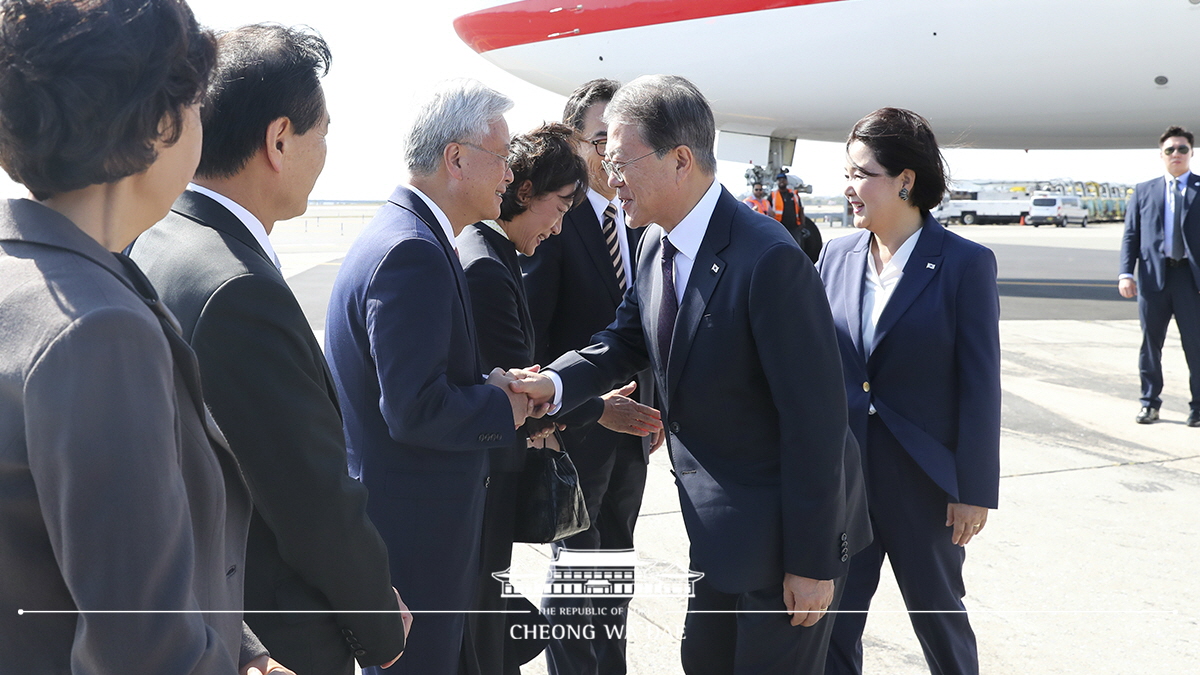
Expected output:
(264, 665)
(967, 520)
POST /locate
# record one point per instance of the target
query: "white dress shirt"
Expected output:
(879, 286)
(253, 224)
(686, 237)
(599, 203)
(437, 213)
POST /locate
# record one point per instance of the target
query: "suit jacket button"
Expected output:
(866, 386)
(845, 557)
(360, 652)
(674, 427)
(487, 481)
(844, 537)
(347, 632)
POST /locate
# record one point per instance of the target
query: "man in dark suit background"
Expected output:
(401, 342)
(1162, 239)
(574, 284)
(311, 545)
(733, 321)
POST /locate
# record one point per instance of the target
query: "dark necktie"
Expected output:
(1177, 235)
(668, 306)
(614, 247)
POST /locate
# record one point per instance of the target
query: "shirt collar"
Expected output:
(1183, 179)
(599, 202)
(689, 233)
(253, 224)
(899, 258)
(437, 213)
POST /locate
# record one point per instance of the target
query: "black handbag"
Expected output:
(550, 504)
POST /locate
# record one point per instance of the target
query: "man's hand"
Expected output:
(625, 415)
(264, 665)
(967, 520)
(1127, 287)
(806, 599)
(406, 620)
(531, 383)
(522, 407)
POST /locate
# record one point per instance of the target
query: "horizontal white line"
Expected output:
(21, 612)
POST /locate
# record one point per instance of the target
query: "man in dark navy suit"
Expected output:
(420, 417)
(1162, 239)
(574, 283)
(731, 317)
(312, 547)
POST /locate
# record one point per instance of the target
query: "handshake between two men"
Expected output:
(531, 394)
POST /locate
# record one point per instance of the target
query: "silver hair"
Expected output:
(668, 111)
(458, 111)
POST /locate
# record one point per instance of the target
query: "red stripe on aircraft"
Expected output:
(529, 21)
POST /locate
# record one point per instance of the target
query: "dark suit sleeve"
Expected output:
(977, 362)
(619, 353)
(494, 302)
(409, 321)
(1131, 240)
(793, 333)
(101, 429)
(267, 389)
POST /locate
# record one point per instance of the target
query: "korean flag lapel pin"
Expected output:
(930, 266)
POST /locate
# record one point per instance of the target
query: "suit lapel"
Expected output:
(588, 228)
(409, 201)
(208, 212)
(923, 264)
(706, 272)
(853, 276)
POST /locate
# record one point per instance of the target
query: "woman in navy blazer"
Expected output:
(917, 314)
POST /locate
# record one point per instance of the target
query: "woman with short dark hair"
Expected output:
(117, 493)
(917, 315)
(549, 179)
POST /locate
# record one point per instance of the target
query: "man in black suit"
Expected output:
(733, 320)
(1162, 240)
(311, 545)
(574, 284)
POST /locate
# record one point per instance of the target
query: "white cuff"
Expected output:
(558, 387)
(1124, 276)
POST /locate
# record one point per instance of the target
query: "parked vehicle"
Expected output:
(1057, 210)
(972, 211)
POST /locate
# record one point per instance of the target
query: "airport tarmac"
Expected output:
(1090, 563)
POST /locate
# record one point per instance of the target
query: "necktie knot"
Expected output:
(668, 249)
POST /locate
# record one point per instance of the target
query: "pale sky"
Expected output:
(386, 53)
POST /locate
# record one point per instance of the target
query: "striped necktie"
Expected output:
(614, 247)
(1177, 234)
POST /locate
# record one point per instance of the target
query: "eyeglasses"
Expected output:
(617, 169)
(600, 145)
(1181, 149)
(507, 159)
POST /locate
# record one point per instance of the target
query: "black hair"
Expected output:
(901, 139)
(264, 72)
(87, 87)
(1172, 132)
(587, 95)
(548, 159)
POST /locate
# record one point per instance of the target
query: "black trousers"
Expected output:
(612, 484)
(751, 634)
(908, 514)
(1178, 298)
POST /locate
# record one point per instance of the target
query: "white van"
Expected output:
(1058, 210)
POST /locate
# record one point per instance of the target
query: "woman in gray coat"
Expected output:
(123, 516)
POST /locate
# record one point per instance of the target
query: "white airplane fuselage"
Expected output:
(986, 73)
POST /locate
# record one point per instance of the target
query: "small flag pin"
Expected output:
(716, 268)
(930, 266)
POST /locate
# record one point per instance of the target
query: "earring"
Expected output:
(904, 194)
